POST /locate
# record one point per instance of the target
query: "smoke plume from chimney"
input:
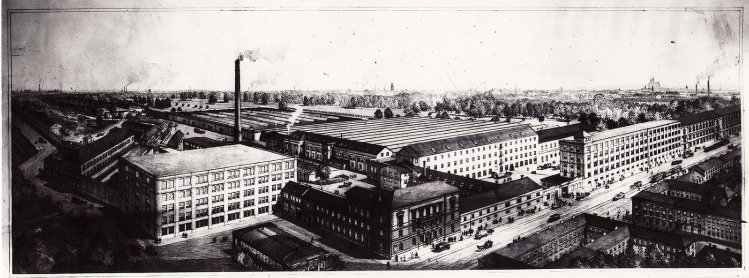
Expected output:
(292, 119)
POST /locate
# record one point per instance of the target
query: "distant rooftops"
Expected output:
(91, 150)
(169, 164)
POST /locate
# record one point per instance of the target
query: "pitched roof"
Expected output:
(176, 139)
(707, 165)
(730, 156)
(536, 240)
(688, 205)
(467, 141)
(551, 134)
(497, 261)
(340, 142)
(403, 197)
(169, 164)
(659, 236)
(278, 244)
(204, 142)
(689, 119)
(498, 194)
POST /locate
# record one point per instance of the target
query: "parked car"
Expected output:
(488, 244)
(198, 130)
(676, 162)
(619, 196)
(554, 217)
(442, 246)
(481, 234)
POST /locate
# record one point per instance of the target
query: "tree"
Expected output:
(641, 118)
(623, 122)
(282, 104)
(423, 106)
(388, 113)
(174, 109)
(305, 101)
(378, 114)
(264, 98)
(322, 173)
(541, 119)
(352, 102)
(179, 109)
(212, 99)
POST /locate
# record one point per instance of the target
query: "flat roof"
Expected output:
(396, 133)
(184, 162)
(629, 129)
(403, 197)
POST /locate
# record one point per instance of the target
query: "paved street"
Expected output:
(463, 254)
(31, 168)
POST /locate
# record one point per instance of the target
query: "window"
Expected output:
(217, 187)
(263, 189)
(249, 171)
(248, 182)
(249, 203)
(262, 200)
(218, 176)
(262, 210)
(249, 192)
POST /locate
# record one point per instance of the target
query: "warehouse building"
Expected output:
(175, 193)
(269, 248)
(496, 206)
(595, 159)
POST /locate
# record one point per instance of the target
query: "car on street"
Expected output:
(676, 162)
(198, 130)
(618, 196)
(481, 234)
(442, 246)
(554, 217)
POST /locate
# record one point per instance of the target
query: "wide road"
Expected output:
(463, 254)
(32, 167)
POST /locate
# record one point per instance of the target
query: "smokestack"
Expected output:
(708, 84)
(237, 104)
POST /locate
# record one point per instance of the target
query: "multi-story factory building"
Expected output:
(548, 142)
(703, 128)
(478, 155)
(175, 193)
(597, 158)
(386, 222)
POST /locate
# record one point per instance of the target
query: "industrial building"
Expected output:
(84, 169)
(174, 193)
(548, 142)
(493, 207)
(595, 159)
(702, 129)
(385, 222)
(269, 248)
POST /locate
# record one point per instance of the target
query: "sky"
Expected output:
(415, 50)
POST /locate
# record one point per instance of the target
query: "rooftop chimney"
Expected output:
(237, 105)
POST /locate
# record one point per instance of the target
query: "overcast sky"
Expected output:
(417, 50)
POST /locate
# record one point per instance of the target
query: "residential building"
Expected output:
(582, 236)
(269, 248)
(671, 213)
(174, 193)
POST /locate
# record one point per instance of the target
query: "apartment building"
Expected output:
(582, 236)
(174, 193)
(597, 158)
(385, 222)
(548, 142)
(478, 155)
(665, 212)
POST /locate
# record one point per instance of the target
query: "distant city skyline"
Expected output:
(439, 50)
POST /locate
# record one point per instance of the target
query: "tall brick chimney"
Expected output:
(237, 104)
